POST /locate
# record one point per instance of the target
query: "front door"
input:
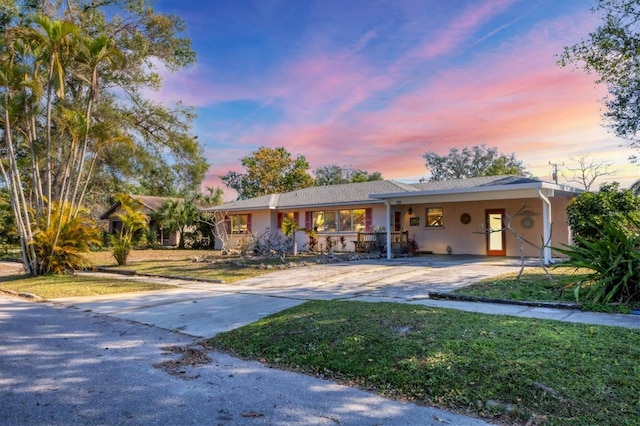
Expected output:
(496, 236)
(397, 221)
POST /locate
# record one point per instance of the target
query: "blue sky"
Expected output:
(376, 84)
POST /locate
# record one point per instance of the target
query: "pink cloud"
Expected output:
(341, 108)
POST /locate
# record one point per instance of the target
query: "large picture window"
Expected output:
(435, 217)
(339, 220)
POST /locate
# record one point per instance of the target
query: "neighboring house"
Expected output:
(151, 205)
(443, 217)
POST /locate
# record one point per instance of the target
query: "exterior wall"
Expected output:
(462, 238)
(471, 238)
(260, 221)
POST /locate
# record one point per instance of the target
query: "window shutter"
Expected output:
(307, 221)
(368, 220)
(249, 223)
(296, 218)
(280, 220)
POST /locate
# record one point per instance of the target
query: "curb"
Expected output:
(462, 298)
(169, 277)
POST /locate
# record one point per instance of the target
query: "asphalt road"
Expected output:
(62, 366)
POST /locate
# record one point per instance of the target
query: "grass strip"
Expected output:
(59, 286)
(536, 286)
(497, 367)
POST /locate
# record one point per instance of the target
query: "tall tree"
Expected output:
(472, 162)
(334, 174)
(586, 170)
(613, 52)
(269, 171)
(73, 119)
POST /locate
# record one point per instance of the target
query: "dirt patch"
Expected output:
(190, 356)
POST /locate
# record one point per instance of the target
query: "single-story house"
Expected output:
(479, 216)
(150, 206)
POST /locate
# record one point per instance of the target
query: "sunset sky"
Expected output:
(374, 85)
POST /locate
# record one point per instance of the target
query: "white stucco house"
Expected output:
(442, 217)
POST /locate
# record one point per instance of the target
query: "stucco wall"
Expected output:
(462, 238)
(471, 238)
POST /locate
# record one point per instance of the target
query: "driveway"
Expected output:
(205, 309)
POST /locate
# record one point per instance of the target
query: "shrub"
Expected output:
(64, 244)
(614, 258)
(590, 211)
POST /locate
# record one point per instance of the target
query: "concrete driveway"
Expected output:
(205, 309)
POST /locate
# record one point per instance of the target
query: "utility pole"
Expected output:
(554, 174)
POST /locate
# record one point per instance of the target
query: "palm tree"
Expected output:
(178, 216)
(134, 220)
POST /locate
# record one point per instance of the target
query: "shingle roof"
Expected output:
(349, 193)
(476, 182)
(150, 202)
(365, 192)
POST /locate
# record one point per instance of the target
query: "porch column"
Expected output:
(388, 204)
(546, 227)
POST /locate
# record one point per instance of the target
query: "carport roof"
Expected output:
(376, 192)
(478, 185)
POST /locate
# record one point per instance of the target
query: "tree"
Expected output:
(212, 196)
(8, 230)
(476, 161)
(269, 171)
(178, 216)
(335, 175)
(73, 121)
(134, 223)
(612, 52)
(590, 211)
(587, 170)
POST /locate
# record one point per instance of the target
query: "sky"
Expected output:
(375, 84)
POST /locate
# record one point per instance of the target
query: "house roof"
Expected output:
(377, 191)
(152, 203)
(344, 194)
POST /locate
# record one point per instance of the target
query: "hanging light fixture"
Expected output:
(410, 211)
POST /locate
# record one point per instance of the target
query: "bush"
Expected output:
(63, 245)
(590, 211)
(614, 258)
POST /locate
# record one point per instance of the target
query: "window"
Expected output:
(240, 223)
(294, 217)
(340, 220)
(434, 217)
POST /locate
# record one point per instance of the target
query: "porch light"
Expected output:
(410, 211)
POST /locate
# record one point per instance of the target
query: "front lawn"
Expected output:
(59, 286)
(180, 263)
(535, 285)
(497, 367)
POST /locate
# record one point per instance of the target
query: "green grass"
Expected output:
(59, 286)
(534, 285)
(570, 374)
